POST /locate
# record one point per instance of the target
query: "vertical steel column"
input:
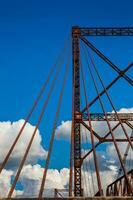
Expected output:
(76, 107)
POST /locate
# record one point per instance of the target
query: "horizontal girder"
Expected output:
(101, 116)
(115, 31)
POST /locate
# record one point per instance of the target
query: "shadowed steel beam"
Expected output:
(125, 154)
(117, 140)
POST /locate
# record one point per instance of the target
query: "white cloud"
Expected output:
(126, 110)
(5, 179)
(31, 177)
(111, 151)
(5, 183)
(8, 133)
(30, 180)
(63, 131)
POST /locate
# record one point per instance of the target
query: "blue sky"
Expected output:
(31, 36)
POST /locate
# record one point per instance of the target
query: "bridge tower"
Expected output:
(79, 116)
(76, 111)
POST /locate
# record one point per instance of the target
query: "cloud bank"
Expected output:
(31, 175)
(8, 133)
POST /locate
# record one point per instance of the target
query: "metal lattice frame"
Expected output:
(76, 107)
(80, 116)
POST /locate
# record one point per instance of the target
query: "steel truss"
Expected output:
(111, 116)
(80, 116)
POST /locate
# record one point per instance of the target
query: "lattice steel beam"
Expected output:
(111, 117)
(76, 107)
(98, 31)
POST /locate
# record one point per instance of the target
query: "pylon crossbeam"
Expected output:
(108, 31)
(111, 117)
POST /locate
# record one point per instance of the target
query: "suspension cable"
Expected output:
(54, 130)
(108, 123)
(92, 139)
(92, 178)
(85, 162)
(85, 170)
(88, 164)
(59, 59)
(87, 180)
(125, 156)
(84, 166)
(34, 133)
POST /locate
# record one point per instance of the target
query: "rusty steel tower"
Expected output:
(76, 111)
(80, 116)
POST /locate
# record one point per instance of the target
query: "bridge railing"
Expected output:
(120, 187)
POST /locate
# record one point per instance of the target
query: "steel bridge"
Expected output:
(123, 185)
